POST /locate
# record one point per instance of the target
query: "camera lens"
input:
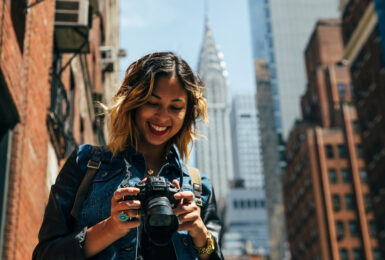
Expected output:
(160, 221)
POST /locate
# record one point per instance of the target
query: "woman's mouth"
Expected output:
(158, 130)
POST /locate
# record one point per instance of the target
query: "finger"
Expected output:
(120, 193)
(129, 215)
(185, 195)
(188, 217)
(126, 205)
(187, 226)
(185, 208)
(176, 183)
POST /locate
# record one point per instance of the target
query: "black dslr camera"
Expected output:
(157, 200)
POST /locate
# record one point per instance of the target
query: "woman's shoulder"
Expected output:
(190, 172)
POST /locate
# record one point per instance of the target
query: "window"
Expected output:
(349, 200)
(376, 254)
(368, 202)
(18, 16)
(340, 229)
(235, 204)
(341, 91)
(351, 90)
(353, 228)
(341, 151)
(372, 228)
(355, 126)
(359, 151)
(9, 118)
(364, 176)
(329, 151)
(344, 254)
(332, 176)
(346, 176)
(336, 202)
(357, 252)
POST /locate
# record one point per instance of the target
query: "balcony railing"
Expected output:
(58, 119)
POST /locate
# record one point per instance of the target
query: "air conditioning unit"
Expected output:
(72, 26)
(108, 57)
(71, 13)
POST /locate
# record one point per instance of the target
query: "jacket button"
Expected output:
(104, 175)
(128, 248)
(185, 242)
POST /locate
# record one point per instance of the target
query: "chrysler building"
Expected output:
(214, 151)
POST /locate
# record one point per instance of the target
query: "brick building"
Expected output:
(327, 205)
(364, 38)
(50, 77)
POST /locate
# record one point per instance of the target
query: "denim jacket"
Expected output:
(62, 236)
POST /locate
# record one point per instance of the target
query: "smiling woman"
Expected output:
(163, 115)
(152, 124)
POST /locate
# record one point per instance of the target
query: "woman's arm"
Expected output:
(56, 236)
(198, 225)
(111, 229)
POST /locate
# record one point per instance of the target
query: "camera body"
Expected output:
(155, 186)
(157, 200)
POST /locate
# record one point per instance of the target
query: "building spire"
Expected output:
(206, 8)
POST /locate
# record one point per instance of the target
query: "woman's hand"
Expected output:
(189, 217)
(111, 229)
(131, 208)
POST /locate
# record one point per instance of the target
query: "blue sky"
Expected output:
(178, 26)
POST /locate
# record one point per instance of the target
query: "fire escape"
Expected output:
(73, 20)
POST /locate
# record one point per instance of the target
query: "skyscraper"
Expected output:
(289, 25)
(214, 153)
(327, 205)
(246, 140)
(364, 38)
(269, 123)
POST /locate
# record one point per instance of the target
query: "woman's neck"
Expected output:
(155, 158)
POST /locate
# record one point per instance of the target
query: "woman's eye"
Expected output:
(176, 108)
(152, 103)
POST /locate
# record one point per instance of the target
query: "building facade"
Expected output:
(50, 77)
(289, 26)
(246, 223)
(214, 153)
(364, 39)
(327, 205)
(246, 141)
(270, 160)
(287, 30)
(246, 231)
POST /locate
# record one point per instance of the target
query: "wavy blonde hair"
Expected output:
(136, 90)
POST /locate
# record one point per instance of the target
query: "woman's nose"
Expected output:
(162, 112)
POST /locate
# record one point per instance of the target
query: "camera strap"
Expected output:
(196, 183)
(92, 167)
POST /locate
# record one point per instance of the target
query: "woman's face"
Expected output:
(163, 116)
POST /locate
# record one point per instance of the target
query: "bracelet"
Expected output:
(210, 246)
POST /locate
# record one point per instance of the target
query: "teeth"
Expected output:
(158, 128)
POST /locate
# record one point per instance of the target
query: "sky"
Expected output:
(178, 25)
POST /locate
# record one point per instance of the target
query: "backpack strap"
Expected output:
(196, 183)
(92, 167)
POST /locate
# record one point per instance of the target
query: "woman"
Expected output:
(152, 121)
